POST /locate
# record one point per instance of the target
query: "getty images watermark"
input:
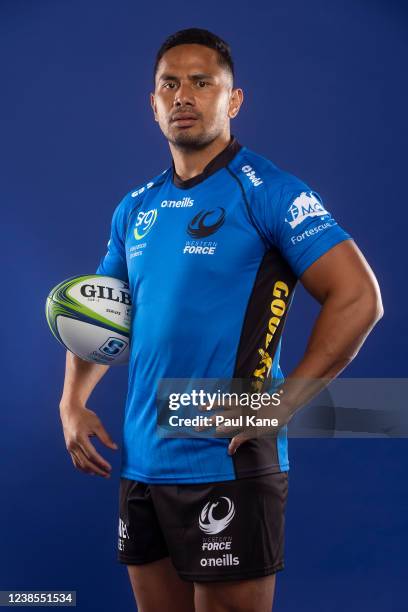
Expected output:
(211, 401)
(342, 408)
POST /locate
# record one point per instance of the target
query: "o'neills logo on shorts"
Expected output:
(227, 559)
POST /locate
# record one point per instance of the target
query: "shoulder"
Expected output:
(135, 197)
(259, 175)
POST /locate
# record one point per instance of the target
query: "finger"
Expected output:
(90, 467)
(104, 437)
(206, 407)
(212, 407)
(84, 464)
(231, 405)
(79, 464)
(93, 456)
(236, 442)
(227, 430)
(221, 428)
(74, 461)
(209, 423)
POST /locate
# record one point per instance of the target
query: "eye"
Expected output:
(202, 84)
(169, 85)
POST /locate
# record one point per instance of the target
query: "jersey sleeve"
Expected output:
(298, 223)
(113, 263)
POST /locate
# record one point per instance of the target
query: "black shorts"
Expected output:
(227, 530)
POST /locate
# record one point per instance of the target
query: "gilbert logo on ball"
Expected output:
(90, 315)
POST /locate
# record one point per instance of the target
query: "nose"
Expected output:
(184, 95)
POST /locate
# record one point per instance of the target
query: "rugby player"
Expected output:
(212, 249)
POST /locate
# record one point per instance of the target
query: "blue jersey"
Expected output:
(212, 263)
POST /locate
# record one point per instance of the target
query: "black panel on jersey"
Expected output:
(264, 320)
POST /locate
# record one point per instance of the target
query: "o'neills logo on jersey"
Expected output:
(184, 203)
(206, 222)
(304, 206)
(211, 525)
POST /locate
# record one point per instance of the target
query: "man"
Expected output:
(212, 249)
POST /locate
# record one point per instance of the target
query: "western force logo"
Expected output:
(304, 206)
(206, 222)
(209, 524)
(144, 223)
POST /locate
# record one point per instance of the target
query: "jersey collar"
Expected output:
(219, 161)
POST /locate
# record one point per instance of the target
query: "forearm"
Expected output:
(339, 332)
(81, 377)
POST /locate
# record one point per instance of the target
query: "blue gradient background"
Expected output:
(326, 99)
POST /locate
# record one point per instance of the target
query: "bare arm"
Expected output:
(79, 423)
(344, 284)
(81, 378)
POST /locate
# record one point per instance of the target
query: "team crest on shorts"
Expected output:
(224, 509)
(211, 525)
(123, 535)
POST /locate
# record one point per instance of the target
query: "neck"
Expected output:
(191, 162)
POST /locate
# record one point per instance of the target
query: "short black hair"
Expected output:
(197, 36)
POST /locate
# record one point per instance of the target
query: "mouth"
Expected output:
(184, 119)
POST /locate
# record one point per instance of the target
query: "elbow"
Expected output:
(377, 304)
(379, 311)
(371, 305)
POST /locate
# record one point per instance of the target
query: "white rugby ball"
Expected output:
(91, 316)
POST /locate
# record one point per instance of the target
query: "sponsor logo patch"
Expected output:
(185, 202)
(250, 173)
(313, 231)
(141, 190)
(304, 206)
(144, 223)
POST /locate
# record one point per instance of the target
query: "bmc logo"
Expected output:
(306, 205)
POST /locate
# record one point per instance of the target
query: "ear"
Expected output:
(153, 105)
(236, 99)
